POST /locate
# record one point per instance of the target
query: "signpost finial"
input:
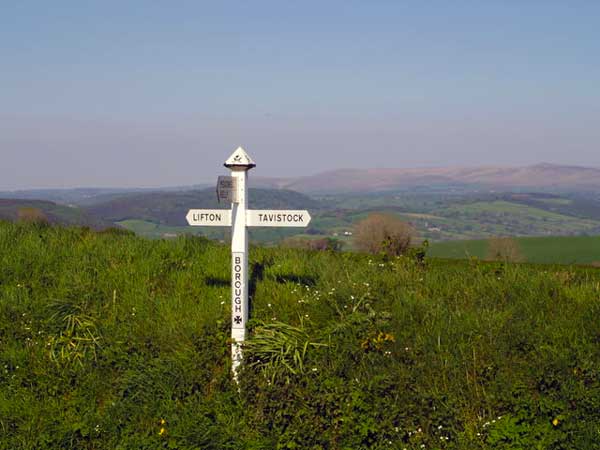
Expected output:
(240, 159)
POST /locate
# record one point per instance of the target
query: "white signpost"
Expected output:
(234, 190)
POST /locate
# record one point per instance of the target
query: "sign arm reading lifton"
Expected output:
(234, 190)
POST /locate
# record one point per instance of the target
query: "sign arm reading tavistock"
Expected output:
(234, 190)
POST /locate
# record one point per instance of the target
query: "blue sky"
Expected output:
(103, 93)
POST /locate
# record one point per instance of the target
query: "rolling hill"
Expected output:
(539, 177)
(170, 208)
(55, 213)
(85, 196)
(549, 177)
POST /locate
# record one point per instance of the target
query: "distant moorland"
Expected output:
(545, 177)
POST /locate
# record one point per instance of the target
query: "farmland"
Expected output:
(437, 217)
(53, 212)
(553, 250)
(439, 213)
(112, 341)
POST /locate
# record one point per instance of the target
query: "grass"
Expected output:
(547, 250)
(112, 341)
(459, 249)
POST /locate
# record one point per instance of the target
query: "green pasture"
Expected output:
(503, 217)
(549, 250)
(112, 341)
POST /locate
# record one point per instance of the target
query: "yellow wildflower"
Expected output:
(163, 421)
(555, 422)
(162, 431)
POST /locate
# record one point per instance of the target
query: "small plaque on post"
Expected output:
(226, 189)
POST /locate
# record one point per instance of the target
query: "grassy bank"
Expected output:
(110, 341)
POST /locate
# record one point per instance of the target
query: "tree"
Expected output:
(504, 249)
(383, 233)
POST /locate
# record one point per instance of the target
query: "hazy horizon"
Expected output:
(104, 94)
(211, 180)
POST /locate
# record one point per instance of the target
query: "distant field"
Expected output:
(55, 213)
(437, 215)
(509, 218)
(555, 249)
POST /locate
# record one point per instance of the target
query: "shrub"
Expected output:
(504, 249)
(383, 233)
(32, 215)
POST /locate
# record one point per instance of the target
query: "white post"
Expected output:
(239, 270)
(239, 163)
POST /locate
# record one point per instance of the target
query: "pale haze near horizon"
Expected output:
(107, 94)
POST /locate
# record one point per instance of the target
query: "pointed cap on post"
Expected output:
(240, 159)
